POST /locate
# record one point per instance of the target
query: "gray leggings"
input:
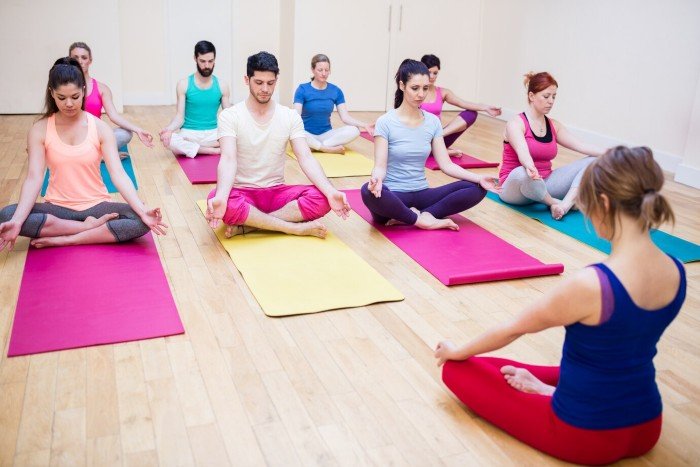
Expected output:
(519, 188)
(123, 136)
(126, 227)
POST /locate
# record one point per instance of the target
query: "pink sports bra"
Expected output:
(434, 107)
(93, 102)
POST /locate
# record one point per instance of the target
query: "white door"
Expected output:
(446, 28)
(355, 36)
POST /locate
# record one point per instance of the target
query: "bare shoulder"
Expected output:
(182, 85)
(103, 87)
(38, 129)
(516, 123)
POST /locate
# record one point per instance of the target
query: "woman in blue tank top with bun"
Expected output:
(602, 404)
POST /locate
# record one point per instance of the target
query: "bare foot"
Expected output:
(333, 149)
(560, 210)
(313, 228)
(428, 222)
(123, 155)
(522, 380)
(45, 242)
(92, 222)
(233, 230)
(395, 222)
(455, 153)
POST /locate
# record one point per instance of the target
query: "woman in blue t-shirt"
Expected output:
(398, 192)
(315, 101)
(602, 404)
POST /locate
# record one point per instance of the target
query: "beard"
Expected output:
(261, 100)
(205, 72)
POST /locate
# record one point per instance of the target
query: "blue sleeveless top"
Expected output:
(607, 375)
(201, 105)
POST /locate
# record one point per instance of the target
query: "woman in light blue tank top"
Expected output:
(602, 404)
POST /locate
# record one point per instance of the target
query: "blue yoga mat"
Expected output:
(575, 225)
(105, 174)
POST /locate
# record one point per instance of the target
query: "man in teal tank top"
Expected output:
(198, 99)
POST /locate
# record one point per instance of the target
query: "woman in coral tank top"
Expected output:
(99, 96)
(77, 208)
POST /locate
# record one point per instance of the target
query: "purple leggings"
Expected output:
(441, 202)
(469, 117)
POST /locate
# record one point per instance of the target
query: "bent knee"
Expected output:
(7, 212)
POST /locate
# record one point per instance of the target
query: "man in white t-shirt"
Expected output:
(250, 189)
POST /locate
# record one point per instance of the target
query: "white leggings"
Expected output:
(335, 137)
(519, 188)
(123, 136)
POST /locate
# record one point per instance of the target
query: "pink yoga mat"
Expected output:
(78, 296)
(470, 255)
(466, 161)
(201, 169)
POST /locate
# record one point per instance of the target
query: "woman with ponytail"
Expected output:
(398, 191)
(530, 145)
(602, 403)
(437, 96)
(99, 96)
(77, 208)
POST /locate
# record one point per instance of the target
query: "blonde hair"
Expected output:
(632, 181)
(319, 58)
(79, 45)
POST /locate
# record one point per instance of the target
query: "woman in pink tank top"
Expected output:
(100, 96)
(437, 96)
(530, 145)
(77, 208)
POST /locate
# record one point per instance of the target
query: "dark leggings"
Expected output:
(441, 202)
(469, 117)
(126, 227)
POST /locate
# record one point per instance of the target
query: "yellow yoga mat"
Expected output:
(292, 275)
(350, 164)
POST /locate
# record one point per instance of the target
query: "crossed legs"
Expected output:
(558, 190)
(291, 209)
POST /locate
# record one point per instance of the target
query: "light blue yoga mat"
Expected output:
(575, 225)
(105, 174)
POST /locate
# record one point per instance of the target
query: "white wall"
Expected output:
(688, 171)
(627, 70)
(34, 34)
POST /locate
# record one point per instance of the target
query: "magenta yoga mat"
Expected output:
(470, 255)
(78, 296)
(200, 169)
(466, 161)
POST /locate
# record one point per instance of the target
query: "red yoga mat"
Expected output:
(470, 255)
(200, 169)
(466, 161)
(78, 296)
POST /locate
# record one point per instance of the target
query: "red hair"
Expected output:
(536, 82)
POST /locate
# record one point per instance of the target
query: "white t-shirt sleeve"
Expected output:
(296, 126)
(228, 123)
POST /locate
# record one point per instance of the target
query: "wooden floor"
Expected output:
(346, 387)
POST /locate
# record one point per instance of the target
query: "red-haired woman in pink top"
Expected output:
(529, 147)
(100, 96)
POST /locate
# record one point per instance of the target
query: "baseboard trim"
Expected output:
(668, 161)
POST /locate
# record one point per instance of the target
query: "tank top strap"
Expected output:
(190, 83)
(95, 87)
(550, 123)
(438, 94)
(528, 130)
(607, 293)
(92, 134)
(51, 133)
